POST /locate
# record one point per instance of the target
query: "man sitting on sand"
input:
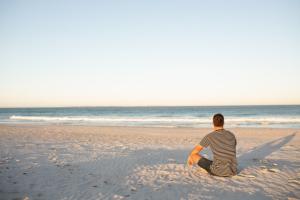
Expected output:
(223, 146)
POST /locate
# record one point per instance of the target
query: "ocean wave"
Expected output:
(106, 119)
(229, 120)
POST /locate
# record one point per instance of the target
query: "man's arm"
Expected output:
(194, 156)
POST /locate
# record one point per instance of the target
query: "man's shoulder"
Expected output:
(211, 134)
(230, 133)
(217, 133)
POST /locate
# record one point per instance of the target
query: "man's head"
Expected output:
(218, 120)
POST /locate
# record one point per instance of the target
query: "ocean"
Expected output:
(181, 116)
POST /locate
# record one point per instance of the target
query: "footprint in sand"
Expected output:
(274, 170)
(245, 176)
(294, 181)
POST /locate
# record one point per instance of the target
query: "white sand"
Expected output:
(85, 162)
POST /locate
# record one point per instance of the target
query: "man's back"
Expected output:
(223, 145)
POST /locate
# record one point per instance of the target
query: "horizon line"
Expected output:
(144, 106)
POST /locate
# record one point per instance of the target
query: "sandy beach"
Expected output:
(92, 162)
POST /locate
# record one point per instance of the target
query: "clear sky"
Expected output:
(134, 53)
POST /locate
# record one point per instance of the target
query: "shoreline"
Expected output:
(137, 126)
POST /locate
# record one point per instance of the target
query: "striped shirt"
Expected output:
(223, 145)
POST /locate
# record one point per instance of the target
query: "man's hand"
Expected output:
(194, 156)
(190, 161)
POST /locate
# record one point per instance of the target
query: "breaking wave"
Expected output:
(189, 120)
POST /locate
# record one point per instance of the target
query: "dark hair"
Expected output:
(218, 120)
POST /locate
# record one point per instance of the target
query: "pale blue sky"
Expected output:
(109, 53)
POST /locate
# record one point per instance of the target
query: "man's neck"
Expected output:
(217, 128)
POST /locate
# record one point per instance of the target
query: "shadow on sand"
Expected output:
(264, 150)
